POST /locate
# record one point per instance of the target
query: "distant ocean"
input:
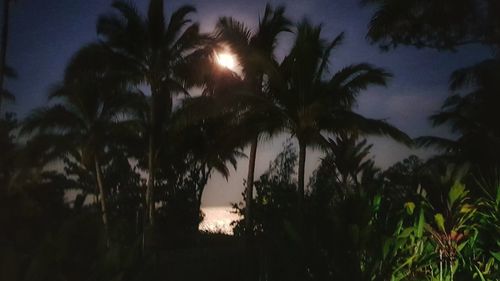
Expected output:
(218, 219)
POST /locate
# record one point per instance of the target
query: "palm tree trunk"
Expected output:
(251, 169)
(300, 208)
(150, 202)
(302, 164)
(151, 178)
(102, 199)
(3, 50)
(249, 187)
(205, 174)
(345, 185)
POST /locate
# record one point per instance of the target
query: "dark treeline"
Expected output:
(105, 182)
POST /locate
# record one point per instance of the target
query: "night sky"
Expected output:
(45, 33)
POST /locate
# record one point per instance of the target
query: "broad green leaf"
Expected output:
(479, 273)
(265, 201)
(439, 219)
(410, 207)
(399, 227)
(406, 232)
(376, 202)
(421, 223)
(490, 263)
(457, 191)
(462, 245)
(387, 247)
(466, 208)
(496, 255)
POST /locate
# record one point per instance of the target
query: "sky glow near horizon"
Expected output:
(218, 220)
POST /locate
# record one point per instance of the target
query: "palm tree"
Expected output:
(310, 106)
(3, 48)
(348, 161)
(472, 115)
(446, 24)
(83, 121)
(207, 143)
(344, 171)
(254, 51)
(154, 52)
(10, 149)
(6, 95)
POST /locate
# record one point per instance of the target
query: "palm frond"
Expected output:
(351, 121)
(177, 21)
(234, 33)
(326, 55)
(57, 117)
(125, 30)
(437, 142)
(6, 95)
(271, 25)
(45, 148)
(128, 11)
(480, 74)
(188, 40)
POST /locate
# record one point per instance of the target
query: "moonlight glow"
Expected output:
(226, 60)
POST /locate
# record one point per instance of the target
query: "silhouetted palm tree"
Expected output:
(10, 151)
(6, 95)
(345, 170)
(348, 160)
(472, 115)
(311, 106)
(155, 53)
(254, 51)
(3, 49)
(207, 142)
(86, 117)
(444, 24)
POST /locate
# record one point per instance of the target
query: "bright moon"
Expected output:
(226, 60)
